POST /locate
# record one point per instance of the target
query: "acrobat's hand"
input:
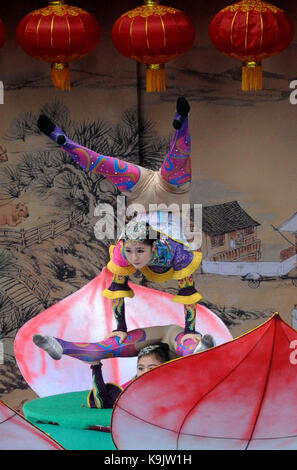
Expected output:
(194, 336)
(47, 126)
(96, 363)
(182, 111)
(121, 334)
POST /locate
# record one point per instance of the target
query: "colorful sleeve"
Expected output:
(118, 264)
(188, 296)
(118, 306)
(187, 293)
(185, 262)
(119, 288)
(121, 269)
(190, 318)
(102, 395)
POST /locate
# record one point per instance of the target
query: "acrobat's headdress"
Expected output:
(137, 231)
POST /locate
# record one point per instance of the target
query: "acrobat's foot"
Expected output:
(182, 112)
(50, 345)
(48, 127)
(206, 342)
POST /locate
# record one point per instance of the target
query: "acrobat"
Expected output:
(161, 257)
(158, 343)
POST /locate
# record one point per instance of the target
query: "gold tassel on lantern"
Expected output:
(155, 78)
(251, 76)
(61, 76)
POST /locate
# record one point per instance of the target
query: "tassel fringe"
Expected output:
(61, 76)
(155, 78)
(252, 76)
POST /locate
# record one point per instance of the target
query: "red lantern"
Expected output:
(153, 34)
(2, 33)
(59, 34)
(251, 30)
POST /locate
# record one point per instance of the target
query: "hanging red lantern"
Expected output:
(153, 34)
(59, 34)
(250, 31)
(2, 33)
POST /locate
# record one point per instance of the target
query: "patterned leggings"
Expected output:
(136, 340)
(176, 168)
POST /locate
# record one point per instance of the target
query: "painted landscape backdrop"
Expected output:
(243, 159)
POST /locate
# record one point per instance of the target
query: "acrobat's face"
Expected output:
(138, 254)
(146, 363)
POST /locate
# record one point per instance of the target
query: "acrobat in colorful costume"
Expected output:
(111, 347)
(104, 395)
(171, 260)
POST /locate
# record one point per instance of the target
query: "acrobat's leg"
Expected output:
(176, 168)
(187, 347)
(111, 347)
(173, 336)
(122, 174)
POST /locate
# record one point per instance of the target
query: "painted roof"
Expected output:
(225, 218)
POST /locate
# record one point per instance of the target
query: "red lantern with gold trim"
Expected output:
(2, 33)
(251, 30)
(153, 34)
(59, 34)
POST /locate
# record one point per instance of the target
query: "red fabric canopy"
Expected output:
(18, 434)
(239, 395)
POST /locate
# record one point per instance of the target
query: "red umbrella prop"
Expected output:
(59, 34)
(239, 395)
(153, 34)
(18, 434)
(251, 30)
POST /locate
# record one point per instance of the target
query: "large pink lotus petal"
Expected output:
(18, 434)
(239, 395)
(86, 316)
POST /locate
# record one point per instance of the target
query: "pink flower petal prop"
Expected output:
(87, 316)
(18, 434)
(239, 395)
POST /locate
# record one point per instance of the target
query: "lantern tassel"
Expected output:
(252, 76)
(155, 78)
(61, 76)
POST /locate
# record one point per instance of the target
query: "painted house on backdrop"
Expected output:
(229, 234)
(289, 226)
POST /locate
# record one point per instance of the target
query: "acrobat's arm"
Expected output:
(189, 297)
(117, 291)
(118, 306)
(102, 395)
(122, 174)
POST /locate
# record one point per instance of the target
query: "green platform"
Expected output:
(73, 419)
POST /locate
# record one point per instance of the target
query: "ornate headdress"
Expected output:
(137, 231)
